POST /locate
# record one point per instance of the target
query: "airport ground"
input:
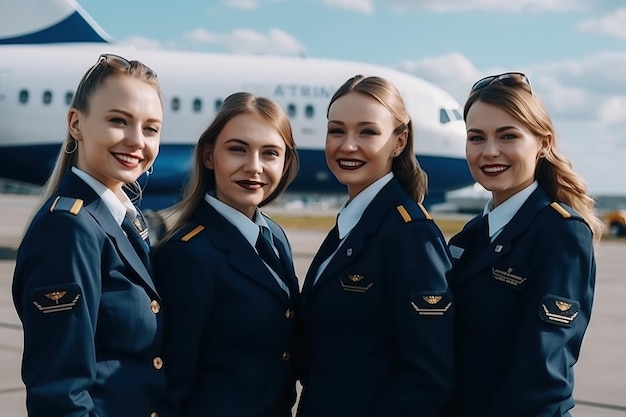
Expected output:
(600, 373)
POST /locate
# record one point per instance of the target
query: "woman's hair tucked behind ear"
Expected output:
(89, 84)
(554, 171)
(404, 167)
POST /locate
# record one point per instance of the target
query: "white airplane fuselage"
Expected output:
(37, 82)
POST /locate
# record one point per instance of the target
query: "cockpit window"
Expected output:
(443, 116)
(457, 114)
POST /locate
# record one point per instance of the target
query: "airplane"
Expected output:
(46, 46)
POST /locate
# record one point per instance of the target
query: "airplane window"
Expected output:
(47, 97)
(23, 97)
(175, 104)
(309, 110)
(197, 105)
(457, 114)
(68, 98)
(443, 116)
(291, 110)
(218, 104)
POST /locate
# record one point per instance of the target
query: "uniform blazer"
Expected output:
(91, 314)
(378, 323)
(229, 325)
(523, 303)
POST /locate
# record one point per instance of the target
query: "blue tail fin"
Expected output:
(47, 21)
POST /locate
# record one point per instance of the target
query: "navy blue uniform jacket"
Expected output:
(229, 326)
(378, 323)
(91, 314)
(523, 303)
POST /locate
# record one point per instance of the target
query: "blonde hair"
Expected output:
(554, 171)
(92, 80)
(203, 179)
(405, 167)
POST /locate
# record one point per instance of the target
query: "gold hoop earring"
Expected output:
(71, 146)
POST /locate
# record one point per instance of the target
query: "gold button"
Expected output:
(155, 306)
(289, 313)
(157, 362)
(154, 414)
(285, 356)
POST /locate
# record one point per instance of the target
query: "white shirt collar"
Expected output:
(119, 209)
(501, 215)
(350, 214)
(248, 228)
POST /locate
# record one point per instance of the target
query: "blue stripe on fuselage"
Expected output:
(34, 163)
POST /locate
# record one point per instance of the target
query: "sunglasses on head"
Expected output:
(508, 78)
(113, 61)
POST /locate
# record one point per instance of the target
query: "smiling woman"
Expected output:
(227, 272)
(82, 285)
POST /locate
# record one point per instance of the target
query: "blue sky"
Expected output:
(574, 51)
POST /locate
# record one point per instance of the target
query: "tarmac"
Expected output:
(600, 373)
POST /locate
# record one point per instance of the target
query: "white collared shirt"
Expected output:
(248, 228)
(119, 209)
(350, 213)
(502, 215)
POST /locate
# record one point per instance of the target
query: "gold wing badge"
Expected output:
(55, 300)
(559, 310)
(431, 305)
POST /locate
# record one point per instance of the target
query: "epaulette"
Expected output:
(561, 210)
(67, 205)
(407, 217)
(192, 233)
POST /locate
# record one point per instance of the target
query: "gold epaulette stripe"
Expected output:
(74, 209)
(78, 204)
(405, 214)
(426, 213)
(556, 206)
(191, 234)
(54, 204)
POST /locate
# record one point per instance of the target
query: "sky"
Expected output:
(573, 51)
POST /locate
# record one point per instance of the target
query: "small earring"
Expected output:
(71, 146)
(150, 170)
(542, 154)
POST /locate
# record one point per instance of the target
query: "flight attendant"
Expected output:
(82, 286)
(377, 312)
(524, 271)
(226, 271)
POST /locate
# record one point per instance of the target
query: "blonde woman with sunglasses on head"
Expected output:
(524, 271)
(82, 285)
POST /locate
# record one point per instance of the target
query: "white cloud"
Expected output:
(141, 42)
(276, 41)
(492, 5)
(613, 110)
(613, 25)
(361, 6)
(242, 4)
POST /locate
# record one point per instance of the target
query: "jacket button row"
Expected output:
(155, 306)
(157, 362)
(289, 313)
(285, 356)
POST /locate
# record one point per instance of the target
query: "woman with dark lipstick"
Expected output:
(226, 271)
(524, 271)
(377, 312)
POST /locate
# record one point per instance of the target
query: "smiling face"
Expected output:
(118, 138)
(248, 161)
(502, 152)
(360, 141)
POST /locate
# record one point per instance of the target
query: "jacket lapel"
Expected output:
(73, 186)
(504, 242)
(240, 255)
(356, 240)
